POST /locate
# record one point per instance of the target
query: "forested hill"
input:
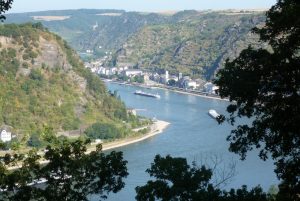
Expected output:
(198, 44)
(43, 82)
(88, 29)
(193, 42)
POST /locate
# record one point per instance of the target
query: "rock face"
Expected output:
(52, 55)
(43, 82)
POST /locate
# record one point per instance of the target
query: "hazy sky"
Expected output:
(137, 5)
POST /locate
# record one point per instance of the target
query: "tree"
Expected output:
(177, 181)
(102, 131)
(71, 174)
(34, 141)
(172, 82)
(5, 5)
(264, 83)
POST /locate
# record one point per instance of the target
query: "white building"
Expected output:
(95, 26)
(167, 76)
(155, 77)
(179, 76)
(133, 72)
(94, 69)
(5, 136)
(113, 71)
(102, 71)
(88, 65)
(89, 51)
(190, 84)
(209, 87)
(107, 72)
(99, 71)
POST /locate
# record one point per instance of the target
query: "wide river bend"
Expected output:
(193, 134)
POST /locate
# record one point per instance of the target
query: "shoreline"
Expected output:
(158, 127)
(169, 89)
(194, 94)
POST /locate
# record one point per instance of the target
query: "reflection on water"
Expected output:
(191, 99)
(167, 95)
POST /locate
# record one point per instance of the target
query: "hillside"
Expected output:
(88, 29)
(193, 42)
(196, 45)
(43, 82)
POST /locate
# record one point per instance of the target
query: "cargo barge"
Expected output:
(141, 93)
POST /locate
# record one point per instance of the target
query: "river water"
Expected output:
(192, 134)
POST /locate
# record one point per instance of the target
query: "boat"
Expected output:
(141, 93)
(213, 114)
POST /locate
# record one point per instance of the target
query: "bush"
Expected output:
(25, 56)
(34, 141)
(103, 131)
(36, 75)
(71, 124)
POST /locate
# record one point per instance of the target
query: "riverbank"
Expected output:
(194, 94)
(174, 89)
(157, 128)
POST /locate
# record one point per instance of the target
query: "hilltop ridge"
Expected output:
(195, 43)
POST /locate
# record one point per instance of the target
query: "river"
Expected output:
(193, 134)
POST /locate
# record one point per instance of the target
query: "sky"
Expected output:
(139, 5)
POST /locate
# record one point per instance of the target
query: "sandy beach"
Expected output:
(158, 127)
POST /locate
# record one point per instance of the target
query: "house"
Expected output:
(5, 136)
(187, 83)
(155, 77)
(102, 71)
(95, 26)
(146, 77)
(113, 71)
(107, 72)
(165, 78)
(190, 84)
(209, 87)
(133, 72)
(179, 76)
